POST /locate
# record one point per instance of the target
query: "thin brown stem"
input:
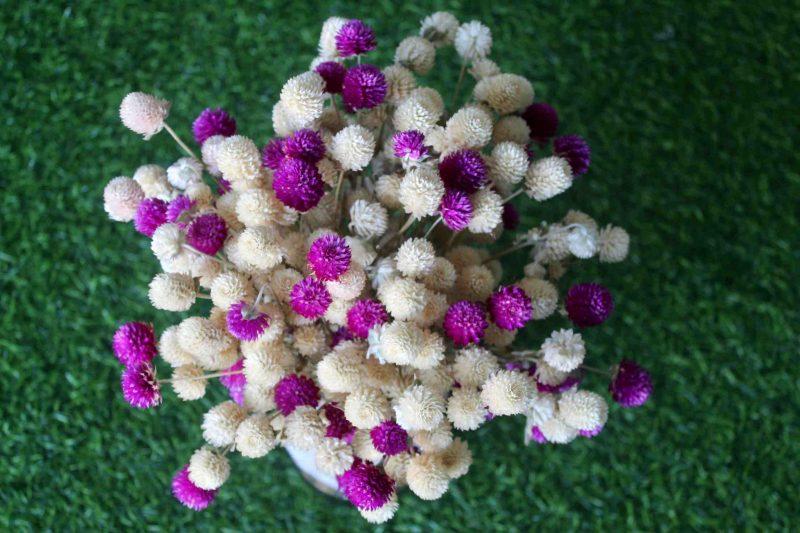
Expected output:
(507, 251)
(204, 376)
(458, 84)
(179, 141)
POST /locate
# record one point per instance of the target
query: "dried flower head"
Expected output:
(143, 113)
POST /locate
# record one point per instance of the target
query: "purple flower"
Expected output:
(456, 209)
(310, 298)
(365, 315)
(510, 217)
(207, 233)
(389, 438)
(304, 144)
(589, 433)
(235, 382)
(510, 308)
(364, 87)
(213, 122)
(223, 185)
(574, 149)
(366, 486)
(190, 494)
(135, 342)
(410, 144)
(272, 155)
(537, 435)
(298, 184)
(542, 120)
(333, 74)
(464, 170)
(631, 385)
(151, 213)
(588, 304)
(177, 207)
(329, 257)
(140, 386)
(293, 391)
(245, 323)
(465, 322)
(338, 425)
(355, 38)
(340, 335)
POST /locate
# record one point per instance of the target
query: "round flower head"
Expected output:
(353, 147)
(487, 211)
(304, 144)
(208, 469)
(329, 257)
(220, 423)
(365, 315)
(207, 233)
(213, 122)
(409, 145)
(121, 198)
(510, 217)
(338, 425)
(298, 184)
(557, 431)
(588, 304)
(150, 214)
(366, 486)
(542, 120)
(613, 244)
(416, 53)
(190, 494)
(177, 207)
(439, 28)
(273, 153)
(368, 219)
(574, 149)
(548, 177)
(419, 409)
(631, 385)
(473, 40)
(421, 191)
(507, 392)
(415, 257)
(255, 436)
(456, 209)
(389, 438)
(302, 101)
(465, 322)
(135, 342)
(245, 323)
(505, 93)
(510, 308)
(583, 410)
(400, 82)
(293, 391)
(143, 113)
(367, 407)
(140, 386)
(355, 38)
(363, 87)
(310, 298)
(464, 170)
(333, 74)
(427, 476)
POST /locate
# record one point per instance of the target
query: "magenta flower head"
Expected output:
(298, 184)
(190, 494)
(333, 74)
(574, 149)
(293, 391)
(340, 335)
(465, 322)
(338, 425)
(542, 120)
(588, 304)
(464, 170)
(409, 144)
(510, 308)
(571, 381)
(235, 381)
(272, 155)
(456, 209)
(177, 207)
(140, 386)
(329, 257)
(590, 433)
(310, 298)
(207, 233)
(151, 213)
(245, 323)
(135, 342)
(631, 385)
(304, 144)
(389, 438)
(537, 435)
(365, 315)
(366, 486)
(510, 217)
(364, 87)
(355, 38)
(223, 185)
(213, 122)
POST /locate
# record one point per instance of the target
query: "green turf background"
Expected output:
(691, 109)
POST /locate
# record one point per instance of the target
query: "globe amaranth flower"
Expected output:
(207, 233)
(456, 209)
(151, 213)
(234, 380)
(409, 144)
(340, 335)
(135, 342)
(329, 257)
(190, 494)
(338, 425)
(213, 122)
(333, 74)
(537, 435)
(355, 38)
(389, 438)
(510, 308)
(272, 154)
(542, 120)
(366, 486)
(139, 385)
(465, 322)
(177, 207)
(310, 298)
(588, 304)
(510, 217)
(298, 184)
(293, 391)
(223, 186)
(304, 144)
(631, 385)
(365, 315)
(246, 323)
(363, 87)
(575, 150)
(464, 170)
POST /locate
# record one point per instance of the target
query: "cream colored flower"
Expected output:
(396, 467)
(508, 163)
(400, 342)
(421, 111)
(507, 392)
(484, 68)
(353, 147)
(258, 246)
(334, 456)
(548, 177)
(303, 99)
(498, 337)
(341, 370)
(368, 219)
(258, 398)
(416, 53)
(403, 298)
(419, 408)
(220, 423)
(564, 350)
(456, 458)
(202, 338)
(487, 211)
(541, 408)
(255, 436)
(172, 292)
(364, 448)
(382, 514)
(427, 477)
(239, 159)
(439, 28)
(208, 469)
(465, 409)
(209, 152)
(469, 127)
(434, 440)
(442, 275)
(304, 428)
(327, 37)
(613, 244)
(310, 341)
(473, 365)
(143, 113)
(170, 349)
(415, 257)
(188, 382)
(505, 93)
(367, 407)
(511, 129)
(548, 375)
(231, 287)
(153, 181)
(184, 171)
(543, 295)
(473, 40)
(349, 285)
(421, 191)
(387, 190)
(583, 410)
(121, 198)
(556, 431)
(475, 282)
(400, 82)
(282, 123)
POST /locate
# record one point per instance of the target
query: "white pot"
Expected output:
(307, 464)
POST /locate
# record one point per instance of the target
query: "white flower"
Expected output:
(473, 40)
(184, 171)
(582, 243)
(368, 219)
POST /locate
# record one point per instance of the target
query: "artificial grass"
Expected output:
(689, 112)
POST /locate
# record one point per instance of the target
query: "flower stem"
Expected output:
(204, 376)
(596, 370)
(436, 222)
(458, 84)
(507, 251)
(179, 141)
(337, 194)
(513, 195)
